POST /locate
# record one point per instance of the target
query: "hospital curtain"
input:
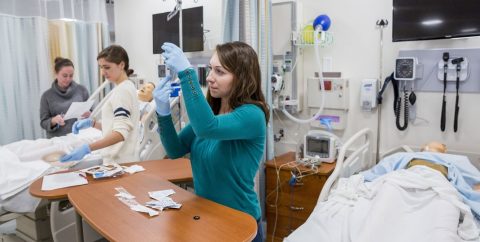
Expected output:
(32, 34)
(24, 74)
(80, 42)
(231, 16)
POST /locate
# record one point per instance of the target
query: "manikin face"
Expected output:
(145, 94)
(65, 77)
(219, 79)
(110, 70)
(435, 147)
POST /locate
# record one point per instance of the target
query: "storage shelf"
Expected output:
(308, 38)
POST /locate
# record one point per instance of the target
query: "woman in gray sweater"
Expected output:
(56, 100)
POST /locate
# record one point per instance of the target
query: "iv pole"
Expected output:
(381, 24)
(177, 9)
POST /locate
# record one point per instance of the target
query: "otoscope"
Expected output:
(446, 56)
(458, 62)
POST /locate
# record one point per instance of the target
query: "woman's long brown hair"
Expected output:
(241, 60)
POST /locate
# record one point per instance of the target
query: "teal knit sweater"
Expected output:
(225, 150)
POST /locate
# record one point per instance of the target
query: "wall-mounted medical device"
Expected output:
(451, 69)
(368, 94)
(337, 94)
(320, 146)
(405, 68)
(277, 82)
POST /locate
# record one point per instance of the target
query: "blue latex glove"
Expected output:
(162, 96)
(76, 154)
(175, 59)
(81, 124)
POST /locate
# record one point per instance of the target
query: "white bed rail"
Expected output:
(360, 159)
(402, 148)
(102, 101)
(150, 146)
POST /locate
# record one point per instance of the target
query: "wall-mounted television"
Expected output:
(435, 19)
(167, 31)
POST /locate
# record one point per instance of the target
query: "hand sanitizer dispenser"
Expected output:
(368, 94)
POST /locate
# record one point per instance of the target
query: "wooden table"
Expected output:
(116, 222)
(97, 204)
(177, 171)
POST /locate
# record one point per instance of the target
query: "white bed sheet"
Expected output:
(21, 163)
(29, 150)
(416, 204)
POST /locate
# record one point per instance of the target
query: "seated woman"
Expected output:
(56, 100)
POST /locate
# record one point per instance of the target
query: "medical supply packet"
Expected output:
(133, 169)
(104, 171)
(128, 199)
(162, 200)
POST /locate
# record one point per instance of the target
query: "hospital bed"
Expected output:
(416, 204)
(29, 154)
(22, 162)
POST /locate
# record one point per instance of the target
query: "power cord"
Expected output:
(295, 178)
(287, 135)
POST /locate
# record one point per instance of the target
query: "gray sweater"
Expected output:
(54, 102)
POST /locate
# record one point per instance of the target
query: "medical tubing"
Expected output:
(444, 101)
(398, 110)
(322, 89)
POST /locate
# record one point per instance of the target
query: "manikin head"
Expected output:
(145, 94)
(435, 146)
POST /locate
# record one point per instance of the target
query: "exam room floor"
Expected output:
(7, 232)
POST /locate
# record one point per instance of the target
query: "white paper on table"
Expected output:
(159, 195)
(61, 180)
(134, 169)
(77, 109)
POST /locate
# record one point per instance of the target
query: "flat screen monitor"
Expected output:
(164, 31)
(167, 31)
(435, 19)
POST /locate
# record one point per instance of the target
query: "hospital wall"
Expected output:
(133, 30)
(355, 52)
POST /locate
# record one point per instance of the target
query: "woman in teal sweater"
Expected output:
(227, 130)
